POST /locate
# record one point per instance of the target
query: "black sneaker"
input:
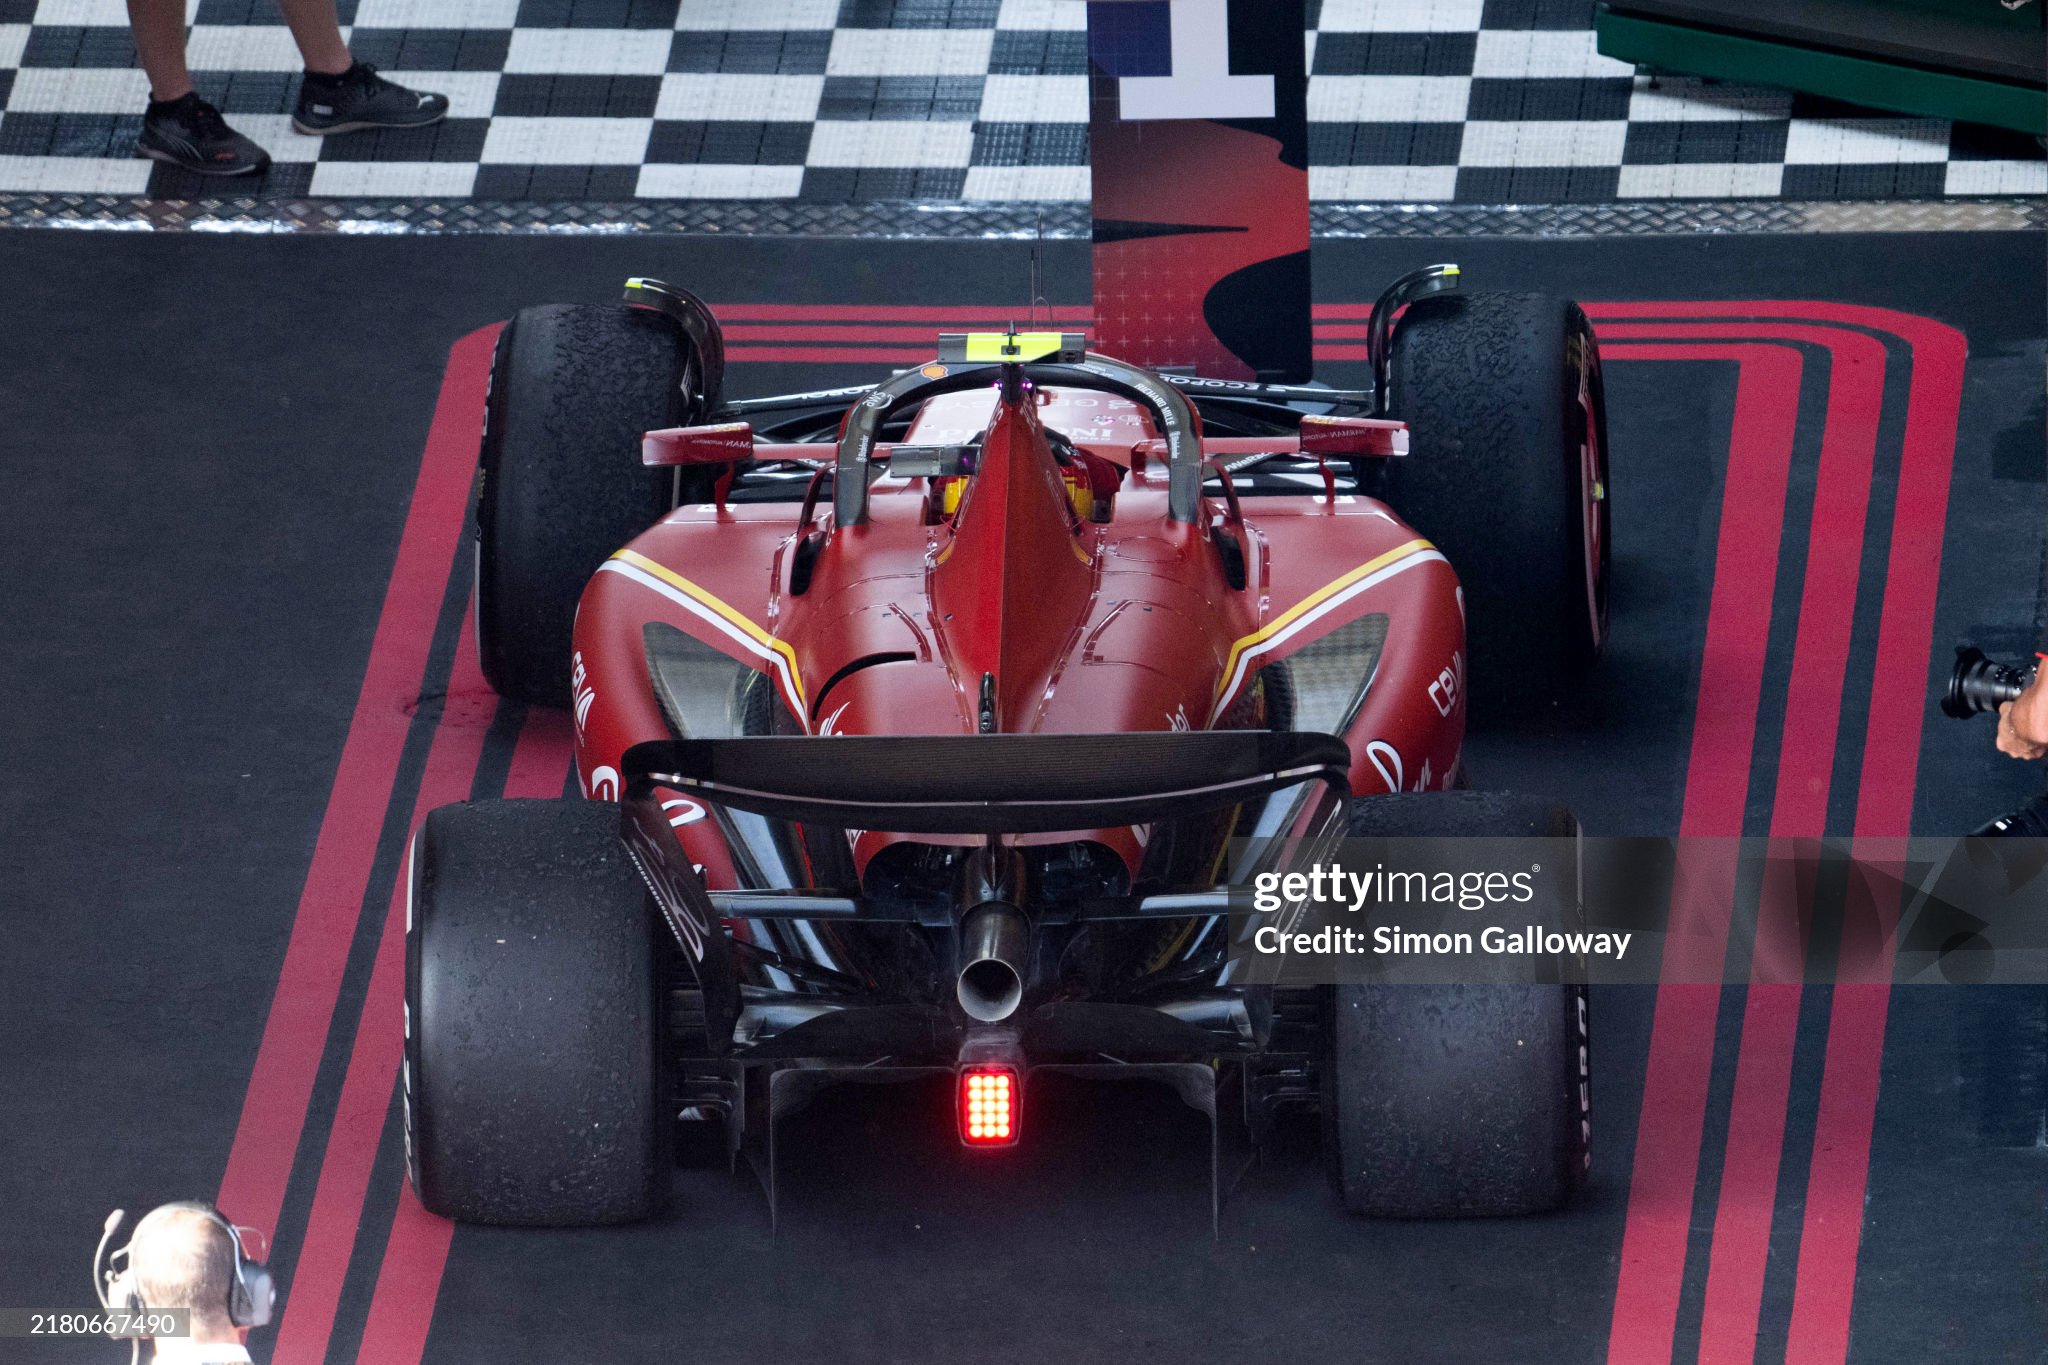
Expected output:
(190, 133)
(360, 98)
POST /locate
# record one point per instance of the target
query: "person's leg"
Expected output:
(340, 94)
(159, 30)
(317, 32)
(179, 127)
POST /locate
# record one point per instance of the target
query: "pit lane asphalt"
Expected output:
(208, 446)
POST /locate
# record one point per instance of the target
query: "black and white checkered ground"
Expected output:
(1476, 101)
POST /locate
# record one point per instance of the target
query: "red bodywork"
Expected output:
(1086, 626)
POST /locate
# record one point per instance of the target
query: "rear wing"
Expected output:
(762, 789)
(988, 784)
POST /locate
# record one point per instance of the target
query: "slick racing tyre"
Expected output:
(536, 1081)
(1456, 1100)
(573, 387)
(1508, 475)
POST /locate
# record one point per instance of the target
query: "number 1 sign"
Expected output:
(1198, 142)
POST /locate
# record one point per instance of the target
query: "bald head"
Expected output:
(181, 1257)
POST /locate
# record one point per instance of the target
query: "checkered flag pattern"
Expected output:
(1470, 101)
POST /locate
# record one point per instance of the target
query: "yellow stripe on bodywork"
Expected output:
(711, 601)
(1310, 603)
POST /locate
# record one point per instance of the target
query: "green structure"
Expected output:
(1979, 61)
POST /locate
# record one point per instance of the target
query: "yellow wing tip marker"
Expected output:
(1011, 347)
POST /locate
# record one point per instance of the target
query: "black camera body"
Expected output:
(1979, 683)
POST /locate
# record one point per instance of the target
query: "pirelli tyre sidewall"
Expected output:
(536, 1082)
(1456, 1100)
(1507, 474)
(573, 387)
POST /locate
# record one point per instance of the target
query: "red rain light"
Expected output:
(989, 1108)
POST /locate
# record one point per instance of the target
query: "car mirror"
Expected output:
(928, 462)
(722, 443)
(1353, 437)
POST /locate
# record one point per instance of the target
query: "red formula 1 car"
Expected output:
(921, 725)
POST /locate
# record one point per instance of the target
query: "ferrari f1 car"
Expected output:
(921, 725)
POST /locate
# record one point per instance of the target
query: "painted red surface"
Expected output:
(1673, 1113)
(1747, 1197)
(1825, 1278)
(351, 1147)
(302, 1008)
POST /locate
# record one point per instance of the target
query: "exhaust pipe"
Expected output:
(993, 942)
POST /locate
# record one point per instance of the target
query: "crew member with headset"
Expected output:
(186, 1255)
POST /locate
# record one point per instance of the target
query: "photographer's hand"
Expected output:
(2023, 722)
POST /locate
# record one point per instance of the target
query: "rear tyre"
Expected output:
(1455, 1101)
(1503, 397)
(573, 387)
(536, 1079)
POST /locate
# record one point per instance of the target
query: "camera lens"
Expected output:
(1978, 684)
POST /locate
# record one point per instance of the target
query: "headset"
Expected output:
(251, 1296)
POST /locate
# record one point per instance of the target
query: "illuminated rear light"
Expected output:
(990, 1108)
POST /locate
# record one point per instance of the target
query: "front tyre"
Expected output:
(1508, 475)
(573, 388)
(1457, 1100)
(536, 1081)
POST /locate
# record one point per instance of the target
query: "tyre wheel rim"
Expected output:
(1593, 517)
